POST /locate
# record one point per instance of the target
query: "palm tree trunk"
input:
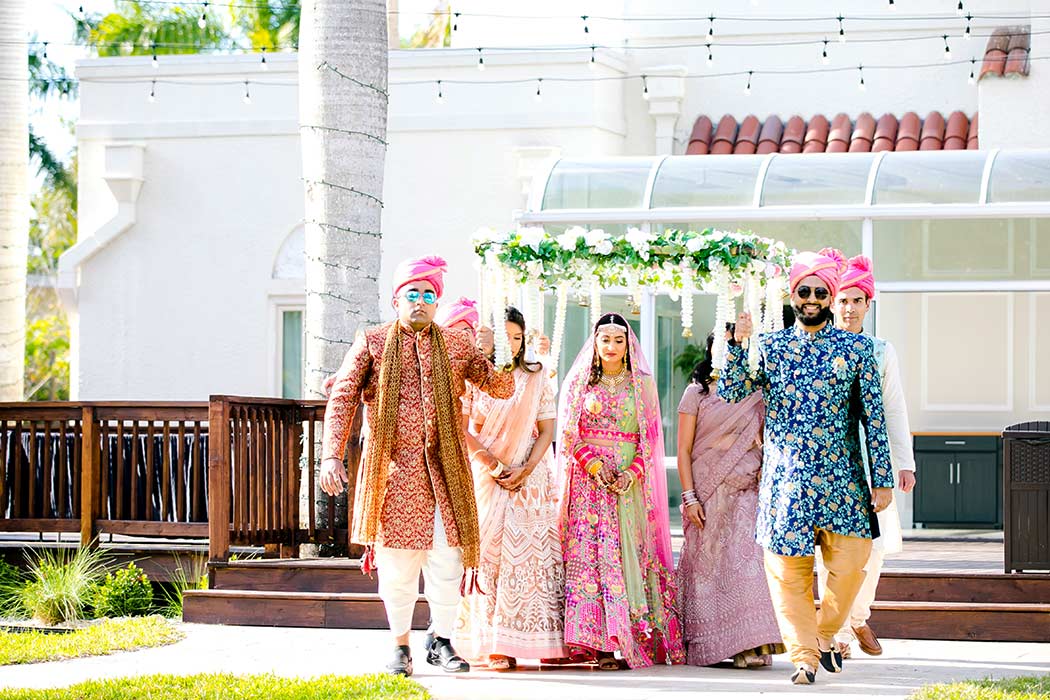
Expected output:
(14, 195)
(343, 115)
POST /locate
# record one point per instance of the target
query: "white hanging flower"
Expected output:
(483, 235)
(596, 237)
(639, 240)
(532, 236)
(696, 243)
(534, 268)
(568, 240)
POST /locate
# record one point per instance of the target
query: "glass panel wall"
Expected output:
(595, 184)
(292, 354)
(1020, 176)
(827, 178)
(962, 249)
(716, 181)
(801, 235)
(578, 324)
(930, 177)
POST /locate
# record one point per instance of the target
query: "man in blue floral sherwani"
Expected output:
(818, 383)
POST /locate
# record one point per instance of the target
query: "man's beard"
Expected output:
(823, 316)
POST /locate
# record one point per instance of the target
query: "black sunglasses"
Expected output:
(819, 293)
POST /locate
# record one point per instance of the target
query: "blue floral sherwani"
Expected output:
(817, 387)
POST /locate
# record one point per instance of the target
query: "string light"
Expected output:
(152, 97)
(710, 56)
(861, 86)
(455, 20)
(966, 34)
(973, 64)
(947, 49)
(711, 29)
(747, 88)
(593, 65)
(959, 8)
(481, 59)
(645, 88)
(892, 5)
(44, 53)
(539, 90)
(842, 30)
(203, 21)
(586, 29)
(154, 61)
(247, 94)
(824, 54)
(441, 95)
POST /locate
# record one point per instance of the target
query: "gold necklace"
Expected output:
(614, 380)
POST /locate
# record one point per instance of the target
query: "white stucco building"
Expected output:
(187, 277)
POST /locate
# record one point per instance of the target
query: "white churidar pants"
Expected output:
(442, 568)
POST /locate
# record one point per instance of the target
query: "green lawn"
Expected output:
(103, 638)
(1022, 688)
(221, 686)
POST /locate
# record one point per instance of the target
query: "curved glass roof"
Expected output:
(871, 181)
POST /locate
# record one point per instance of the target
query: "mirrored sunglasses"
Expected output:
(413, 296)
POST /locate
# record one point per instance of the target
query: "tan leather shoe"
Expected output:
(867, 640)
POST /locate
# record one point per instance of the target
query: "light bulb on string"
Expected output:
(586, 29)
(842, 30)
(824, 54)
(972, 80)
(710, 56)
(44, 53)
(861, 86)
(959, 9)
(441, 95)
(645, 88)
(711, 29)
(539, 90)
(455, 21)
(593, 64)
(152, 97)
(262, 60)
(966, 34)
(747, 88)
(154, 61)
(481, 59)
(892, 5)
(203, 21)
(947, 49)
(247, 94)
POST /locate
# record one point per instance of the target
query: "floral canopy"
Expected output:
(679, 263)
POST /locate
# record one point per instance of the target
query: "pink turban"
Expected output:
(429, 269)
(859, 275)
(836, 255)
(462, 309)
(823, 266)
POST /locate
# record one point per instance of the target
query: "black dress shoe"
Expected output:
(402, 662)
(442, 654)
(831, 661)
(804, 675)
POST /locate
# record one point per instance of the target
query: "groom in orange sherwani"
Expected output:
(414, 506)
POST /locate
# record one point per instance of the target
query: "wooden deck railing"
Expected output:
(131, 468)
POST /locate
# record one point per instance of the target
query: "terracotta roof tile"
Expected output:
(1006, 53)
(769, 138)
(956, 132)
(909, 133)
(885, 133)
(700, 139)
(747, 137)
(725, 136)
(863, 134)
(794, 133)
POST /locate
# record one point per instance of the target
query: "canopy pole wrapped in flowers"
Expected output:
(678, 263)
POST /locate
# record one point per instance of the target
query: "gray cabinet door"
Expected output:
(976, 492)
(935, 491)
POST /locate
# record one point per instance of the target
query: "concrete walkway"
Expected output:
(905, 666)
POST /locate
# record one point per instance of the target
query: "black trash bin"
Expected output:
(1026, 497)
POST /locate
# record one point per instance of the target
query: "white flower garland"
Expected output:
(723, 314)
(753, 304)
(560, 309)
(688, 289)
(773, 318)
(596, 300)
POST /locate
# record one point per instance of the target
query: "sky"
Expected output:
(50, 21)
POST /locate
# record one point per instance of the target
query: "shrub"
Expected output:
(12, 579)
(126, 593)
(61, 584)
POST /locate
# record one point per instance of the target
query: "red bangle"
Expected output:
(636, 468)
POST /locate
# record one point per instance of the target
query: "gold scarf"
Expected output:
(459, 483)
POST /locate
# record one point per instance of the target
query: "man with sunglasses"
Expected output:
(414, 507)
(851, 306)
(818, 383)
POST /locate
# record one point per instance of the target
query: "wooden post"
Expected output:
(218, 479)
(89, 479)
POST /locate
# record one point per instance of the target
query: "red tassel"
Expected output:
(473, 587)
(368, 561)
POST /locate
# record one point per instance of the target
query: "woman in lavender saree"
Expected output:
(520, 611)
(726, 609)
(619, 593)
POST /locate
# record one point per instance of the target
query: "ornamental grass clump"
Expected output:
(189, 576)
(126, 593)
(60, 584)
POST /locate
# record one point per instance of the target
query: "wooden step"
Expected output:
(989, 622)
(964, 588)
(292, 575)
(288, 609)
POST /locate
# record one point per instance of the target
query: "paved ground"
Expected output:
(906, 665)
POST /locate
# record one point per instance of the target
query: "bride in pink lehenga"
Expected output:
(520, 612)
